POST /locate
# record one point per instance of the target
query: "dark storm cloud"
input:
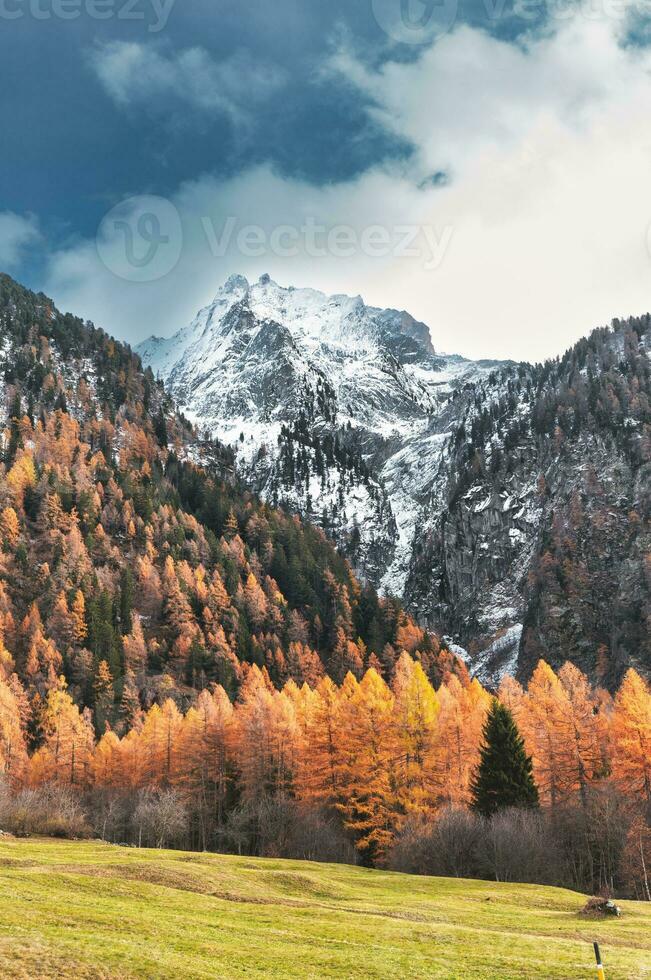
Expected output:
(71, 148)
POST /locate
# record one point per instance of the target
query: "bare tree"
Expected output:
(160, 818)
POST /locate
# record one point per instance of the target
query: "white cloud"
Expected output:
(17, 232)
(149, 76)
(549, 155)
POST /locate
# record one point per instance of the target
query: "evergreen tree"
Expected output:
(126, 600)
(15, 415)
(104, 697)
(160, 428)
(505, 775)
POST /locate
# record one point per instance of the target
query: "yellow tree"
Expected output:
(67, 751)
(78, 618)
(205, 743)
(20, 477)
(319, 776)
(461, 718)
(547, 730)
(266, 739)
(13, 750)
(160, 743)
(10, 527)
(217, 598)
(107, 766)
(367, 746)
(631, 727)
(132, 767)
(416, 711)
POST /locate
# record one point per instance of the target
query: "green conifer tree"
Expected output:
(504, 778)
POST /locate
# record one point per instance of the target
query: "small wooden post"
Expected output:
(600, 967)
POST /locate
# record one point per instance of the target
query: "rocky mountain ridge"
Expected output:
(328, 403)
(445, 481)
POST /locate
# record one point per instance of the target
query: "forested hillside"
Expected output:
(132, 565)
(541, 514)
(181, 663)
(507, 504)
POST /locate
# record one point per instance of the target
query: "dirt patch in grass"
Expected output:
(149, 874)
(298, 883)
(27, 960)
(16, 863)
(203, 859)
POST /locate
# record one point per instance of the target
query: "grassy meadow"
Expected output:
(73, 910)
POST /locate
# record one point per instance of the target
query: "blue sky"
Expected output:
(500, 151)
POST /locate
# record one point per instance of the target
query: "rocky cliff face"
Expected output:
(329, 404)
(452, 483)
(537, 538)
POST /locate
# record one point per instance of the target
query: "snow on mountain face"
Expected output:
(240, 353)
(477, 491)
(331, 404)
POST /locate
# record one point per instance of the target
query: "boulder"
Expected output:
(601, 907)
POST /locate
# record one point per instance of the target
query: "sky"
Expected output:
(483, 164)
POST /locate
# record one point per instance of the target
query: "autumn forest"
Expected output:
(181, 664)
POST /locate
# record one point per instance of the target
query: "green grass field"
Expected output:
(93, 910)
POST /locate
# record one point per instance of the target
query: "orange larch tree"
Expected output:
(266, 739)
(547, 731)
(631, 724)
(461, 719)
(583, 723)
(206, 773)
(318, 779)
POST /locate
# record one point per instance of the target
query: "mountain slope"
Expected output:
(131, 562)
(328, 402)
(542, 514)
(445, 481)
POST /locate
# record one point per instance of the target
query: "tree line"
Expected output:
(364, 770)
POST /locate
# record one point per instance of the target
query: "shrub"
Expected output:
(49, 810)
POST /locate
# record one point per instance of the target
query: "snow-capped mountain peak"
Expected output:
(269, 368)
(438, 476)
